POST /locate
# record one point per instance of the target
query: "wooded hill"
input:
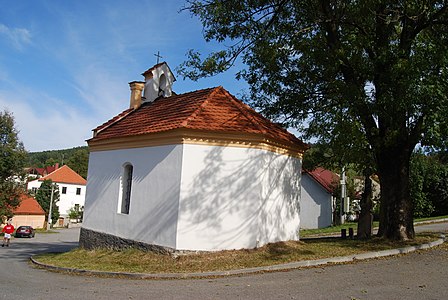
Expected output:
(76, 158)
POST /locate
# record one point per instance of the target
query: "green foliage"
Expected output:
(355, 71)
(436, 185)
(12, 156)
(76, 213)
(76, 158)
(429, 182)
(419, 174)
(368, 77)
(10, 193)
(79, 161)
(43, 197)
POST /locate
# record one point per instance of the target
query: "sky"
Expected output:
(65, 65)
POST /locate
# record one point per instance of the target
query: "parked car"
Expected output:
(25, 231)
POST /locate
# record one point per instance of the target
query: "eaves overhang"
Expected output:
(198, 137)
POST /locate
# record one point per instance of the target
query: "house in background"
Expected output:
(193, 171)
(358, 183)
(34, 173)
(72, 190)
(29, 212)
(317, 200)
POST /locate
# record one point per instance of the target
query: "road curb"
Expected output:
(431, 221)
(272, 268)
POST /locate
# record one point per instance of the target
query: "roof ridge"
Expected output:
(198, 110)
(254, 118)
(53, 171)
(212, 109)
(248, 112)
(320, 180)
(79, 177)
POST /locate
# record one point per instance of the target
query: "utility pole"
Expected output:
(51, 207)
(343, 195)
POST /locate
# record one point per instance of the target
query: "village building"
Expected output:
(28, 213)
(35, 173)
(317, 198)
(72, 191)
(193, 171)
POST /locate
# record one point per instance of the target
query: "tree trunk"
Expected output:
(396, 210)
(365, 217)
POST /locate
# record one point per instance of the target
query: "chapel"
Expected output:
(197, 171)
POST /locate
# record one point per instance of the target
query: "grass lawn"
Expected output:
(135, 261)
(337, 229)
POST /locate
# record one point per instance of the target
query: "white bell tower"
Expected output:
(158, 82)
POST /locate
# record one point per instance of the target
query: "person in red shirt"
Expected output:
(7, 230)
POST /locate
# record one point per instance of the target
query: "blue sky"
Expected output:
(65, 65)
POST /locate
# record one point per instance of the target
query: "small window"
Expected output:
(162, 85)
(126, 186)
(64, 190)
(78, 191)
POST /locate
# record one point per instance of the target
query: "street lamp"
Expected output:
(343, 196)
(51, 207)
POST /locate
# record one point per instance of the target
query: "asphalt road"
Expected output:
(420, 275)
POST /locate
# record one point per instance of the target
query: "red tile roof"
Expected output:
(43, 171)
(327, 179)
(213, 109)
(28, 206)
(65, 175)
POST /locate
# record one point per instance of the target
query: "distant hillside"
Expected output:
(76, 158)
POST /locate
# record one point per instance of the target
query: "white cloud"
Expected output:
(19, 37)
(59, 127)
(99, 91)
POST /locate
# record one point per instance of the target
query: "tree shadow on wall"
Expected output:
(242, 199)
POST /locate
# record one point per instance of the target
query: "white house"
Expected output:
(72, 190)
(317, 201)
(195, 171)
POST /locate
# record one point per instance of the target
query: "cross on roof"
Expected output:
(158, 56)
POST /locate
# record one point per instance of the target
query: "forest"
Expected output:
(76, 158)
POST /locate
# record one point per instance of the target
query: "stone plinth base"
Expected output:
(89, 239)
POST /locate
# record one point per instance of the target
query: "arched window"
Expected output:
(162, 85)
(126, 185)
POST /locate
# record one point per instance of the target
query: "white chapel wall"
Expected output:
(235, 198)
(155, 194)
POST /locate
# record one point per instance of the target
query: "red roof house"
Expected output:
(29, 212)
(317, 201)
(39, 172)
(65, 175)
(71, 186)
(327, 179)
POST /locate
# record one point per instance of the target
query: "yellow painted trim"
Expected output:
(195, 137)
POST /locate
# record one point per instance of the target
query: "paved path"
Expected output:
(421, 275)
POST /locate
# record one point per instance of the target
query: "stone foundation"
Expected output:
(89, 239)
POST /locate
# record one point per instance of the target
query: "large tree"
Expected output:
(12, 158)
(376, 67)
